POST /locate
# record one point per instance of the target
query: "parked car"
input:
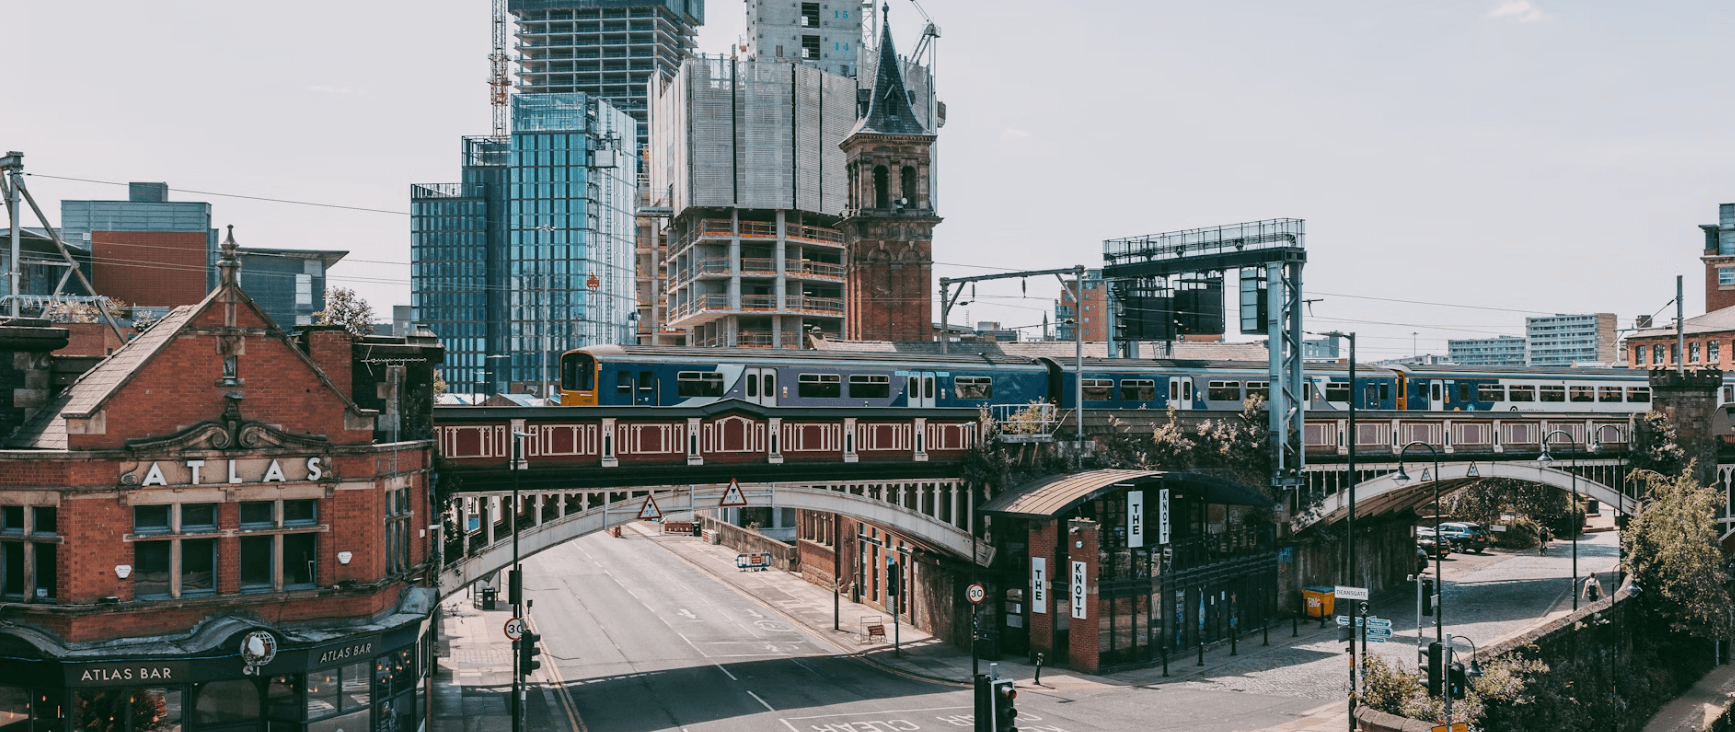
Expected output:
(1426, 544)
(1466, 536)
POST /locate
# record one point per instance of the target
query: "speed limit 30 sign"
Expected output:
(976, 594)
(515, 629)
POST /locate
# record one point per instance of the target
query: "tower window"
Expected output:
(882, 187)
(810, 14)
(908, 178)
(810, 46)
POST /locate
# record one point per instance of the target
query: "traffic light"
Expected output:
(1005, 714)
(1436, 674)
(527, 653)
(1456, 679)
(984, 706)
(1427, 597)
(892, 577)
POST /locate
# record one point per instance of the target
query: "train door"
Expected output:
(760, 386)
(647, 391)
(1181, 392)
(922, 388)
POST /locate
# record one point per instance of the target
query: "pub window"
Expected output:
(299, 560)
(198, 518)
(819, 386)
(357, 693)
(1582, 393)
(870, 386)
(151, 519)
(198, 566)
(258, 514)
(1337, 391)
(323, 690)
(973, 387)
(258, 562)
(45, 518)
(1490, 393)
(1098, 390)
(698, 384)
(1522, 393)
(1608, 393)
(300, 513)
(1139, 390)
(1223, 391)
(1553, 394)
(282, 699)
(151, 569)
(11, 519)
(1638, 393)
(226, 701)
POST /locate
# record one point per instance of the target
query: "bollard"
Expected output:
(1295, 626)
(1201, 651)
(1165, 660)
(1267, 629)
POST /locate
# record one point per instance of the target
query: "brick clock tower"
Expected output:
(889, 223)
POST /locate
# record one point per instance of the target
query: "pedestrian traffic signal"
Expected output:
(1457, 680)
(1427, 597)
(1005, 714)
(527, 653)
(1436, 674)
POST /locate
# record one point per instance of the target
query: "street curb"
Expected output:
(821, 634)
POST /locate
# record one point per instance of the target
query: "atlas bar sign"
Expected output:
(193, 472)
(127, 673)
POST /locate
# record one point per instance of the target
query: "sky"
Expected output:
(1460, 164)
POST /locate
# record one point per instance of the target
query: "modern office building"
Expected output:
(1564, 340)
(146, 250)
(606, 49)
(825, 34)
(288, 284)
(531, 254)
(1498, 351)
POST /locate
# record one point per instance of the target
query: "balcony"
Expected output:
(761, 230)
(707, 308)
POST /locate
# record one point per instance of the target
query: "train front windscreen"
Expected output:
(577, 379)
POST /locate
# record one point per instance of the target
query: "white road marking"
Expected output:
(881, 711)
(761, 701)
(707, 655)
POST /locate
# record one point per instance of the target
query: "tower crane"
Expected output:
(498, 81)
(930, 35)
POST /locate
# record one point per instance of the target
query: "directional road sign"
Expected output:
(1379, 622)
(1343, 620)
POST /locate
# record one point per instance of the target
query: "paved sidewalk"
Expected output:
(472, 687)
(1700, 706)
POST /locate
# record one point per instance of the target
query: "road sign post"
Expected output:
(515, 629)
(976, 594)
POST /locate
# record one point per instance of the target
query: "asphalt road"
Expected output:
(642, 641)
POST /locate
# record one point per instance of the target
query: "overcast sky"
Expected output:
(1527, 157)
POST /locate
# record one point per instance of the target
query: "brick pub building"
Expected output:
(214, 528)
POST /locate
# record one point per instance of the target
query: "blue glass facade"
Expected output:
(532, 254)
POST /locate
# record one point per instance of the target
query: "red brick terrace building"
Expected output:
(212, 529)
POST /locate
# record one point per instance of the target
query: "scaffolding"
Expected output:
(1141, 265)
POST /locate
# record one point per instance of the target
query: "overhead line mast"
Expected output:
(498, 81)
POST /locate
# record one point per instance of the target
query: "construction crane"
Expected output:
(498, 83)
(930, 35)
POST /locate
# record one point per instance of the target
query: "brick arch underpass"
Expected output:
(939, 519)
(1384, 494)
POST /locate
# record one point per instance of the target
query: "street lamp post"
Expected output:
(1439, 564)
(1349, 523)
(1546, 459)
(515, 581)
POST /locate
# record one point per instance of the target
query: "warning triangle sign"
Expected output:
(733, 497)
(649, 511)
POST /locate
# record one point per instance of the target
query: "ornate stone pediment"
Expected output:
(229, 432)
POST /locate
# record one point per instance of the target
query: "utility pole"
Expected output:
(1078, 377)
(515, 578)
(1680, 338)
(13, 164)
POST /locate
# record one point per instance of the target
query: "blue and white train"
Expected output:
(618, 376)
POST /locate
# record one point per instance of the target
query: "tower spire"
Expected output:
(889, 111)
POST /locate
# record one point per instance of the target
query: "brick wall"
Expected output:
(1083, 638)
(156, 268)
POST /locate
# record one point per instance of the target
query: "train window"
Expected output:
(623, 382)
(1385, 392)
(1608, 394)
(752, 386)
(1463, 391)
(1434, 391)
(1638, 393)
(1582, 393)
(1174, 390)
(870, 386)
(577, 372)
(1261, 389)
(1337, 391)
(1139, 390)
(1307, 391)
(1187, 390)
(1372, 396)
(819, 386)
(1522, 393)
(698, 384)
(647, 383)
(1490, 393)
(973, 387)
(1223, 391)
(1098, 390)
(770, 379)
(1728, 394)
(1553, 394)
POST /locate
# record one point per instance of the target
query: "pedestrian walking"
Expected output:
(1592, 588)
(1039, 660)
(1546, 535)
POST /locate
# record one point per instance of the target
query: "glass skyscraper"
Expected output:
(532, 253)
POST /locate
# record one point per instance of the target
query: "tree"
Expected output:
(344, 307)
(1237, 448)
(1655, 446)
(1485, 500)
(1672, 554)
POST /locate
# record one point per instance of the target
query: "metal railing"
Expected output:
(1267, 234)
(814, 304)
(1025, 422)
(723, 228)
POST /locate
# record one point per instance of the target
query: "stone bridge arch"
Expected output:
(872, 502)
(1384, 494)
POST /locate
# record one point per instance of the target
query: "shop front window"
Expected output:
(355, 687)
(126, 710)
(282, 698)
(322, 691)
(220, 702)
(14, 709)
